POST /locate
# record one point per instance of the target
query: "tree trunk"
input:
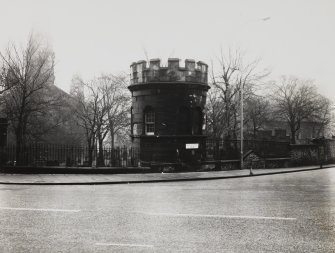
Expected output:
(293, 133)
(255, 132)
(112, 140)
(19, 145)
(101, 160)
(111, 125)
(90, 150)
(18, 152)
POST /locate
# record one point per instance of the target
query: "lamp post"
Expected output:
(242, 119)
(241, 127)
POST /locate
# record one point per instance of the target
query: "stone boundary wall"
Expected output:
(305, 154)
(322, 151)
(329, 150)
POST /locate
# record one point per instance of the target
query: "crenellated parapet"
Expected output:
(193, 72)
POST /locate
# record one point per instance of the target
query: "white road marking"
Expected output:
(125, 245)
(220, 216)
(39, 209)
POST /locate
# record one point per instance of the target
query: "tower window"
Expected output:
(149, 119)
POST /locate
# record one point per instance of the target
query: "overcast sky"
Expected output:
(292, 37)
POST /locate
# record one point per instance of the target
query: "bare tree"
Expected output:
(297, 100)
(102, 108)
(86, 107)
(257, 113)
(117, 101)
(322, 118)
(29, 74)
(330, 127)
(115, 109)
(233, 76)
(3, 84)
(214, 114)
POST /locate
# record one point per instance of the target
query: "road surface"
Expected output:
(292, 212)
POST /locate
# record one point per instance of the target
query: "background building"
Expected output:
(308, 131)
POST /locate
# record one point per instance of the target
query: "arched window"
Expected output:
(149, 121)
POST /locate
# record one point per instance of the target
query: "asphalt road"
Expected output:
(280, 213)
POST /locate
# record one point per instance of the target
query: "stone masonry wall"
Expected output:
(329, 145)
(304, 154)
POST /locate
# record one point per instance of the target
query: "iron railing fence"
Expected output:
(63, 155)
(219, 149)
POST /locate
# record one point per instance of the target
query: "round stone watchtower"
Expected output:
(167, 114)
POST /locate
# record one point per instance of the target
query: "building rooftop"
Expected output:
(193, 72)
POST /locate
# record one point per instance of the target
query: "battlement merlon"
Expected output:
(173, 72)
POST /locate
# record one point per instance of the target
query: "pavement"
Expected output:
(95, 179)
